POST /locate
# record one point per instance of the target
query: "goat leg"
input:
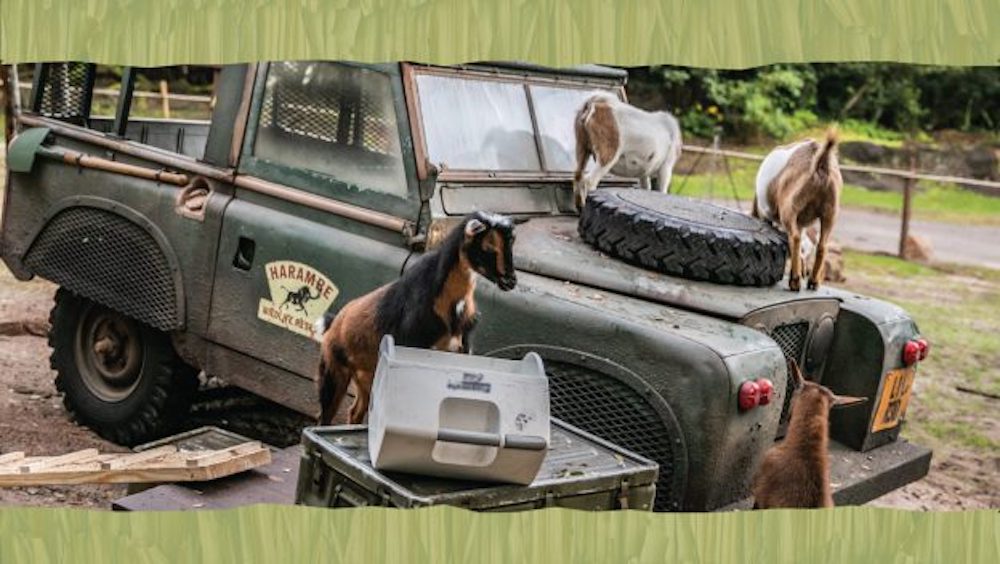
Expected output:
(363, 390)
(467, 327)
(591, 181)
(663, 176)
(816, 276)
(795, 271)
(579, 187)
(334, 380)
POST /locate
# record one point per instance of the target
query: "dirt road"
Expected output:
(879, 232)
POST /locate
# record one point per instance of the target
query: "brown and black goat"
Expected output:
(796, 471)
(796, 185)
(432, 305)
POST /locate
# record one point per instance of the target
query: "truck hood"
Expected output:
(552, 247)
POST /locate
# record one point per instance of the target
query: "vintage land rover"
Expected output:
(212, 245)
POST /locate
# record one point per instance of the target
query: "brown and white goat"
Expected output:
(625, 140)
(796, 471)
(796, 185)
(431, 305)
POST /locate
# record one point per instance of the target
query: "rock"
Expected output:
(917, 248)
(834, 271)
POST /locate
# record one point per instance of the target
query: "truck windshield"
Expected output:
(487, 125)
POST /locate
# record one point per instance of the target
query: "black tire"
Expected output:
(136, 390)
(684, 237)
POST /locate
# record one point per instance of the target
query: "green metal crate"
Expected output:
(580, 471)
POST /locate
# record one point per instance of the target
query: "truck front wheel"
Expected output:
(119, 377)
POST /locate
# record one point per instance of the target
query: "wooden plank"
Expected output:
(11, 457)
(224, 455)
(53, 461)
(133, 459)
(91, 473)
(161, 464)
(272, 483)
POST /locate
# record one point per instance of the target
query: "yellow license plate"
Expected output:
(895, 396)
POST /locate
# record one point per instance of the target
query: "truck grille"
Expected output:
(617, 413)
(105, 257)
(66, 91)
(792, 340)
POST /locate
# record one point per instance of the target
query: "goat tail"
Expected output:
(321, 325)
(587, 110)
(825, 155)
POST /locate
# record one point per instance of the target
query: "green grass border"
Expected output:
(720, 33)
(445, 534)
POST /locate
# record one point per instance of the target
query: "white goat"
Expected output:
(625, 140)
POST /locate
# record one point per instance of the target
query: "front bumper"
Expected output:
(859, 477)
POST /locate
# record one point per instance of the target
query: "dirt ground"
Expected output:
(32, 418)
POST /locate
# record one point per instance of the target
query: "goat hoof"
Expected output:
(813, 285)
(794, 285)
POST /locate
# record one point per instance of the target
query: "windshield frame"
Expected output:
(506, 75)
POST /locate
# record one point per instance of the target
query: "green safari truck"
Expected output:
(190, 245)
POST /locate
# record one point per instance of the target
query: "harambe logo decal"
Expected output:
(299, 294)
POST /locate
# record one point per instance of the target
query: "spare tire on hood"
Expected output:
(684, 237)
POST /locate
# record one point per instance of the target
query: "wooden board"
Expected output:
(161, 464)
(272, 483)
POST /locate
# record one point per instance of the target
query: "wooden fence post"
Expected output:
(908, 187)
(165, 98)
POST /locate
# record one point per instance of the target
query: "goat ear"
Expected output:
(474, 227)
(846, 401)
(795, 374)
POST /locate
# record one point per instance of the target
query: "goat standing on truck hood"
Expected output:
(796, 185)
(796, 472)
(432, 305)
(624, 140)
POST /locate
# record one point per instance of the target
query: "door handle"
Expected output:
(244, 253)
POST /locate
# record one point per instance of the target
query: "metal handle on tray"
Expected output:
(520, 442)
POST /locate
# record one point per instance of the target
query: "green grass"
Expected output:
(883, 265)
(960, 434)
(958, 311)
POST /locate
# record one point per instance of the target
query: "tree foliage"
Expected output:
(777, 100)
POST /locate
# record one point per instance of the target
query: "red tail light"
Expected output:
(911, 353)
(749, 396)
(766, 391)
(924, 348)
